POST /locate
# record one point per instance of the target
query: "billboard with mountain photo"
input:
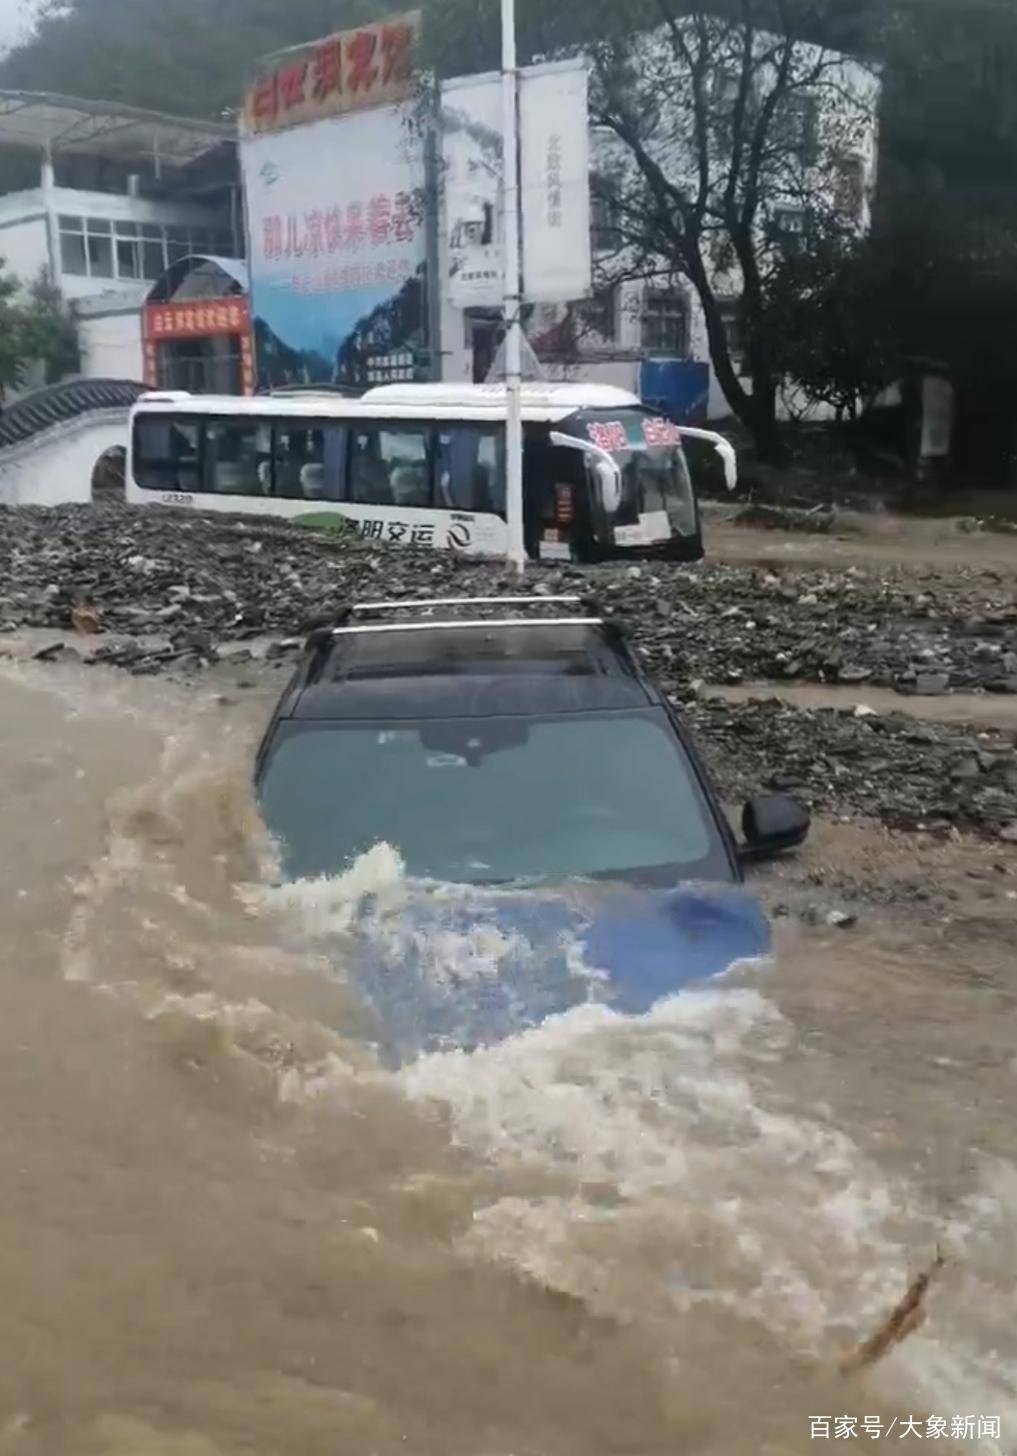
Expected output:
(337, 247)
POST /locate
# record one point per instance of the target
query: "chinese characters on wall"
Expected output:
(371, 66)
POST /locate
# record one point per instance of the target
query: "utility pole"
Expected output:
(513, 288)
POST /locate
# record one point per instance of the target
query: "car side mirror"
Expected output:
(771, 824)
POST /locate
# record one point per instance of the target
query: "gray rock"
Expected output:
(841, 919)
(931, 684)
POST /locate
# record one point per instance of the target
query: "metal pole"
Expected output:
(513, 292)
(432, 192)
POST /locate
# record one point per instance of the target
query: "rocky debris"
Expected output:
(174, 590)
(910, 775)
(818, 520)
(917, 634)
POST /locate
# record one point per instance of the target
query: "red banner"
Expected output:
(371, 66)
(169, 322)
(196, 320)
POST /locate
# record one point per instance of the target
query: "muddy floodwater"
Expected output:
(226, 1227)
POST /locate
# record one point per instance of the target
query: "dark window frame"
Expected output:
(279, 423)
(170, 421)
(427, 428)
(496, 430)
(662, 309)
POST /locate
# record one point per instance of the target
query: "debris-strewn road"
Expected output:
(180, 586)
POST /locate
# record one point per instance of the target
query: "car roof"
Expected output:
(469, 657)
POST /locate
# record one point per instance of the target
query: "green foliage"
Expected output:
(51, 337)
(35, 331)
(831, 324)
(189, 58)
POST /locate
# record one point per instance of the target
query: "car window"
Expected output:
(491, 800)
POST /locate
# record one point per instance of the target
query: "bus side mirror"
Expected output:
(608, 478)
(723, 447)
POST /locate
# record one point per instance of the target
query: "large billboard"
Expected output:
(370, 66)
(337, 248)
(554, 184)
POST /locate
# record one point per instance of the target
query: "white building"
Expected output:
(821, 157)
(118, 195)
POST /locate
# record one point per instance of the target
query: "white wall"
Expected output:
(121, 208)
(56, 466)
(18, 205)
(24, 249)
(111, 346)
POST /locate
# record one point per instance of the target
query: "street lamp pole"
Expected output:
(513, 288)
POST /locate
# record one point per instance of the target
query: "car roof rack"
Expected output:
(364, 622)
(363, 617)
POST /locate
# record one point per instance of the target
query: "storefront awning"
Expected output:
(200, 275)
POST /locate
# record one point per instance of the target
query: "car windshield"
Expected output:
(494, 800)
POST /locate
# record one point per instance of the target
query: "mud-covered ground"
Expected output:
(155, 591)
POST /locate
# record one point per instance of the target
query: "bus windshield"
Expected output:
(657, 500)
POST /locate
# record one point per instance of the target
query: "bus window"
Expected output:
(238, 456)
(165, 453)
(389, 466)
(307, 460)
(471, 468)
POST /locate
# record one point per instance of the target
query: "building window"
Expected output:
(128, 250)
(605, 233)
(849, 185)
(597, 315)
(153, 250)
(788, 228)
(797, 127)
(99, 236)
(99, 248)
(731, 322)
(73, 258)
(665, 322)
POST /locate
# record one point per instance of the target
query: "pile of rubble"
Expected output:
(153, 590)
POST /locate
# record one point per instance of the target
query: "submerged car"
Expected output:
(559, 835)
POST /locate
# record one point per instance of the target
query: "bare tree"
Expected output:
(728, 139)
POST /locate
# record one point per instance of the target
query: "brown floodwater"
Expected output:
(226, 1227)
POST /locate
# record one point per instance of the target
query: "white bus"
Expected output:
(425, 465)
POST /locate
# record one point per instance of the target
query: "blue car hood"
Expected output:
(454, 966)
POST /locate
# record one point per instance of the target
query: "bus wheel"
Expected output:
(109, 474)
